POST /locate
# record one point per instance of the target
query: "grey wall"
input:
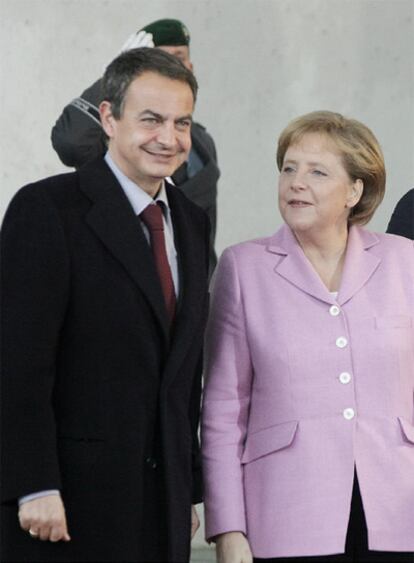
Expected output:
(259, 64)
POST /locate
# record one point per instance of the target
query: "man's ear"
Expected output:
(107, 119)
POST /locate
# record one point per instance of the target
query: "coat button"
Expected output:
(334, 310)
(349, 414)
(345, 377)
(151, 462)
(341, 342)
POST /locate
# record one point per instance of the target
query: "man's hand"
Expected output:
(233, 547)
(138, 39)
(195, 522)
(45, 518)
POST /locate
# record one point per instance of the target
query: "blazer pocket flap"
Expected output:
(408, 429)
(269, 440)
(394, 321)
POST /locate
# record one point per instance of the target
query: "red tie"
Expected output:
(152, 217)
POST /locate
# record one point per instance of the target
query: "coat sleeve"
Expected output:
(77, 135)
(402, 220)
(226, 403)
(34, 287)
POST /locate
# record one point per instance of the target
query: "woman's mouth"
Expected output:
(298, 203)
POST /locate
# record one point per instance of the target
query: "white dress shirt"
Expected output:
(139, 200)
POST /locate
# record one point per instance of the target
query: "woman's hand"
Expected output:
(233, 547)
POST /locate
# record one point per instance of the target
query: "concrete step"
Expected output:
(203, 555)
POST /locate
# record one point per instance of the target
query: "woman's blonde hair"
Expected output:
(356, 144)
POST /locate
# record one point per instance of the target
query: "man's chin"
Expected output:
(164, 171)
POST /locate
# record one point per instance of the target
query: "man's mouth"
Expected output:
(162, 155)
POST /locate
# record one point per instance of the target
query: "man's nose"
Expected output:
(166, 134)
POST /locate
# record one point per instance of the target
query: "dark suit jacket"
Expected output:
(77, 137)
(402, 220)
(99, 399)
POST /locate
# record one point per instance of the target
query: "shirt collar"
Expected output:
(137, 197)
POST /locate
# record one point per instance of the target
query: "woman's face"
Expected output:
(315, 191)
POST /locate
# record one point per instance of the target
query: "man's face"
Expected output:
(182, 52)
(152, 137)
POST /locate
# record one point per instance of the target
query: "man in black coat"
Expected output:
(77, 135)
(102, 328)
(402, 219)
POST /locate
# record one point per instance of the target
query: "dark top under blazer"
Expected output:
(99, 400)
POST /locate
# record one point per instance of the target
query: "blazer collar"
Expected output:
(360, 263)
(113, 220)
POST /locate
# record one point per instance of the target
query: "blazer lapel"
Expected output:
(113, 220)
(295, 267)
(359, 263)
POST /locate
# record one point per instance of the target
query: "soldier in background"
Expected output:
(78, 137)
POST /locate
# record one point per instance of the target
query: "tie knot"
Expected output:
(152, 217)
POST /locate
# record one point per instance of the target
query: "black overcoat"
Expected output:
(100, 398)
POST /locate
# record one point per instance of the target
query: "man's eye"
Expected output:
(149, 120)
(183, 124)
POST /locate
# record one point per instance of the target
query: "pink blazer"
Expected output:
(302, 387)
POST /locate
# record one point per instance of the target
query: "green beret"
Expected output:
(168, 32)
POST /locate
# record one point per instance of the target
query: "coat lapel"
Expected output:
(113, 220)
(359, 264)
(193, 274)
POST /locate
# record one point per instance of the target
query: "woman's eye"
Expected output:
(319, 173)
(287, 169)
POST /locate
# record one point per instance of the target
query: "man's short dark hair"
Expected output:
(133, 63)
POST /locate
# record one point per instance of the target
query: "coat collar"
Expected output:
(200, 188)
(360, 263)
(113, 220)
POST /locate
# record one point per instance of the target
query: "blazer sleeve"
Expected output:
(34, 287)
(402, 220)
(226, 402)
(77, 135)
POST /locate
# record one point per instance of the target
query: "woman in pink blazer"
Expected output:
(308, 416)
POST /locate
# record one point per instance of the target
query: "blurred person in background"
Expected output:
(402, 219)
